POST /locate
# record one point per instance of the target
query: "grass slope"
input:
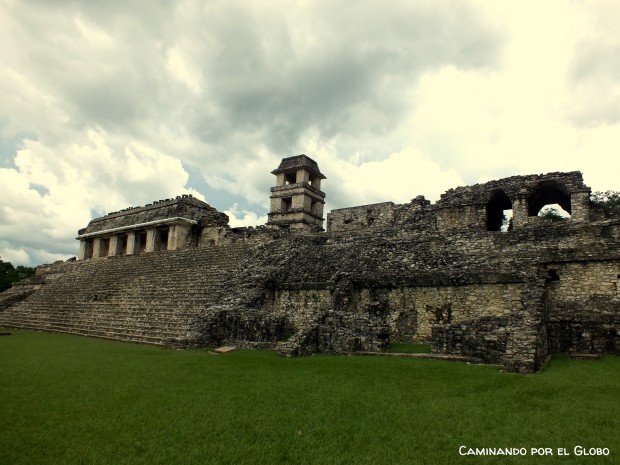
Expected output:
(73, 400)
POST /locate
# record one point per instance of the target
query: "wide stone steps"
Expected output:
(102, 312)
(110, 320)
(146, 335)
(117, 336)
(148, 298)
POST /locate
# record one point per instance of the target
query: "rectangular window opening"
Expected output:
(163, 239)
(287, 203)
(88, 249)
(141, 242)
(104, 247)
(124, 245)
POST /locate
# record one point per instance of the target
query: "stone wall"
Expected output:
(471, 206)
(415, 311)
(481, 295)
(417, 272)
(378, 214)
(583, 300)
(517, 340)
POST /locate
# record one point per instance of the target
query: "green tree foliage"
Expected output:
(9, 274)
(609, 199)
(551, 214)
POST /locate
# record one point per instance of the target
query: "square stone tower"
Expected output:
(297, 200)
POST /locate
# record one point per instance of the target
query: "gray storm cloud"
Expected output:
(107, 105)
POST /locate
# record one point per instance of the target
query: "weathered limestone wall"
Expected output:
(414, 311)
(378, 214)
(468, 207)
(369, 319)
(583, 300)
(517, 341)
(472, 293)
(465, 216)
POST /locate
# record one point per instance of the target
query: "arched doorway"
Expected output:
(549, 193)
(499, 211)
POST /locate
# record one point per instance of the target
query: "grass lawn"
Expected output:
(73, 400)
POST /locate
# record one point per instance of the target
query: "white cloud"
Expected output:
(53, 192)
(15, 256)
(399, 177)
(240, 217)
(112, 106)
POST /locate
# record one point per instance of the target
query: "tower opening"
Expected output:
(287, 203)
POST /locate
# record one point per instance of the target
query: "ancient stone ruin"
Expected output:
(478, 274)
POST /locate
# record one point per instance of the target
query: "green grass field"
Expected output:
(73, 400)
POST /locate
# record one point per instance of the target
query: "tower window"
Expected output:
(287, 203)
(290, 178)
(315, 208)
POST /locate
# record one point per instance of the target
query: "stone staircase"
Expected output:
(150, 298)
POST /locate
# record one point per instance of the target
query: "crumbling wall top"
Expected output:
(514, 186)
(184, 206)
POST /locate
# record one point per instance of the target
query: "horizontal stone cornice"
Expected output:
(133, 227)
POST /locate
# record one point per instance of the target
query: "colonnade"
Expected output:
(137, 239)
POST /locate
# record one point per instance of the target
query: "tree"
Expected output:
(551, 214)
(609, 199)
(507, 224)
(9, 274)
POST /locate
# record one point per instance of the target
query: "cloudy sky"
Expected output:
(105, 105)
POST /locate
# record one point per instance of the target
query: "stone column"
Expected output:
(178, 236)
(97, 247)
(86, 249)
(131, 243)
(302, 176)
(116, 242)
(151, 236)
(519, 212)
(298, 202)
(580, 206)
